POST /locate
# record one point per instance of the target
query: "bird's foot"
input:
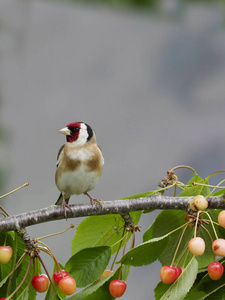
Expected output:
(64, 207)
(93, 200)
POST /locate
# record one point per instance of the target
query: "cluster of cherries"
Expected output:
(65, 282)
(62, 278)
(196, 246)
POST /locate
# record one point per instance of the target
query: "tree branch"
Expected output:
(122, 207)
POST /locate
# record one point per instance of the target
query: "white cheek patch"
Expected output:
(83, 136)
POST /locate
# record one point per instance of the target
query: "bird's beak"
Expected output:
(65, 131)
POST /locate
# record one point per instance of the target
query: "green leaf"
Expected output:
(196, 189)
(94, 231)
(166, 222)
(146, 253)
(87, 265)
(182, 285)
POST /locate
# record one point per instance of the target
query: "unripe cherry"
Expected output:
(196, 246)
(5, 254)
(198, 203)
(67, 285)
(221, 218)
(218, 247)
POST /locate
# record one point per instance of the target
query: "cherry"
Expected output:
(117, 288)
(40, 283)
(67, 285)
(4, 298)
(198, 203)
(106, 272)
(196, 246)
(215, 270)
(221, 218)
(57, 276)
(5, 254)
(179, 270)
(168, 274)
(218, 247)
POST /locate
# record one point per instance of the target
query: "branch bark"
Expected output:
(122, 207)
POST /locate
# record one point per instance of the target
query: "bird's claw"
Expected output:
(64, 207)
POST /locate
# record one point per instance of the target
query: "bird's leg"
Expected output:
(65, 205)
(92, 200)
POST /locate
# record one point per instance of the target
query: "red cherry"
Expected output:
(40, 283)
(215, 270)
(4, 298)
(168, 274)
(5, 254)
(117, 288)
(57, 276)
(67, 285)
(179, 270)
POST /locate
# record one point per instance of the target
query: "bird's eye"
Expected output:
(74, 129)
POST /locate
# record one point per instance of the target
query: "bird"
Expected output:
(79, 164)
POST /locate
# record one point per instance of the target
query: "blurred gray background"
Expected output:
(150, 82)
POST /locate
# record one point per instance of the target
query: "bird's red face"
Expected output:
(74, 129)
(78, 132)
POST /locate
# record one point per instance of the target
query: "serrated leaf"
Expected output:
(166, 222)
(183, 284)
(195, 189)
(146, 253)
(87, 265)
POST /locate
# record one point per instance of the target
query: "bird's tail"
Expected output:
(60, 199)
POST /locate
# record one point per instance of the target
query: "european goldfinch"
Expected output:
(79, 163)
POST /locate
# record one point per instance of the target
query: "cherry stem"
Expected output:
(13, 271)
(118, 249)
(24, 279)
(184, 167)
(4, 212)
(196, 224)
(216, 187)
(178, 245)
(22, 186)
(49, 252)
(212, 224)
(181, 257)
(120, 273)
(117, 230)
(49, 277)
(133, 240)
(164, 189)
(125, 243)
(53, 234)
(214, 173)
